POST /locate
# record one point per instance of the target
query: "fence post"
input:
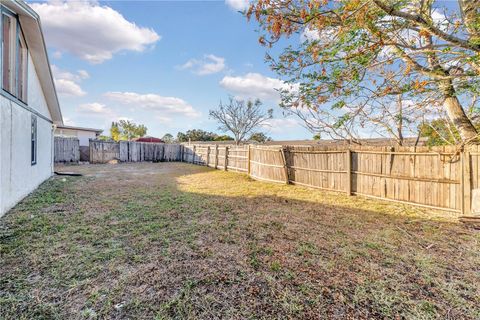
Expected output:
(226, 159)
(216, 156)
(249, 157)
(193, 154)
(208, 156)
(466, 183)
(348, 161)
(285, 168)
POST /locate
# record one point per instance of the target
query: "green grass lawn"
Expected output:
(172, 240)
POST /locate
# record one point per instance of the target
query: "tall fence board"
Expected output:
(439, 178)
(66, 149)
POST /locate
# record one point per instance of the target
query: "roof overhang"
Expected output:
(80, 128)
(32, 29)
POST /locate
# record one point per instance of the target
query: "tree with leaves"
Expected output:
(355, 54)
(168, 138)
(127, 130)
(223, 137)
(104, 138)
(240, 117)
(196, 135)
(115, 132)
(439, 131)
(259, 137)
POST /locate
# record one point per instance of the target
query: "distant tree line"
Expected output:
(201, 135)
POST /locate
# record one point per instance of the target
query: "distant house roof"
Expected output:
(149, 139)
(32, 29)
(97, 131)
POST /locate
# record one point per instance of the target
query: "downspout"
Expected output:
(52, 154)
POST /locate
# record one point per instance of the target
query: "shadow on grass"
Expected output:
(173, 240)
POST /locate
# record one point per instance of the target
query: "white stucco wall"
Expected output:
(18, 177)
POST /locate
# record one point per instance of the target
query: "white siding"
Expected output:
(83, 136)
(18, 177)
(35, 97)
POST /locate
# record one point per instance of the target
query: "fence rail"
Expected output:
(439, 178)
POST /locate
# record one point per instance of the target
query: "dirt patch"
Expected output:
(172, 240)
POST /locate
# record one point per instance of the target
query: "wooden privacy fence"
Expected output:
(131, 151)
(439, 178)
(66, 149)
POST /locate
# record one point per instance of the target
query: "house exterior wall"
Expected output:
(82, 135)
(18, 177)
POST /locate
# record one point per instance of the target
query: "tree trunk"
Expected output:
(400, 120)
(456, 114)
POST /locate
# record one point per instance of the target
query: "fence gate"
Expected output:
(66, 149)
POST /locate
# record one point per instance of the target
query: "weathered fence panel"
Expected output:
(132, 151)
(104, 151)
(237, 159)
(66, 149)
(439, 178)
(322, 167)
(420, 176)
(172, 152)
(268, 164)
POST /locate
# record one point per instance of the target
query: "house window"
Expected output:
(33, 144)
(8, 52)
(22, 69)
(14, 57)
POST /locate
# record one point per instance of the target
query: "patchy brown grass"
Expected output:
(172, 240)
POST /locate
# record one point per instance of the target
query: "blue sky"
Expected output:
(160, 63)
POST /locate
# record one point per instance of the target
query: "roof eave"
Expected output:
(30, 22)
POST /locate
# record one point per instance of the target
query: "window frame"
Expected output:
(19, 37)
(33, 139)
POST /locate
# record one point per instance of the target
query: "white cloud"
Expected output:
(239, 5)
(68, 88)
(97, 110)
(154, 103)
(68, 83)
(91, 31)
(207, 65)
(164, 120)
(68, 122)
(279, 125)
(255, 85)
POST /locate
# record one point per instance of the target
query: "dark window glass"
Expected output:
(34, 140)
